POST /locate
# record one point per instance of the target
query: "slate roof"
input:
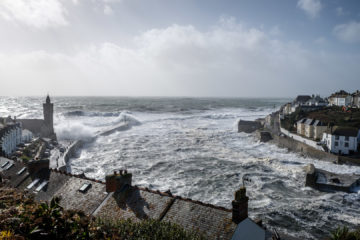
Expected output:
(139, 204)
(72, 198)
(309, 121)
(356, 94)
(302, 98)
(301, 120)
(214, 222)
(14, 174)
(340, 93)
(345, 131)
(55, 182)
(319, 123)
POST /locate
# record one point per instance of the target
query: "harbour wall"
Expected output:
(304, 149)
(73, 149)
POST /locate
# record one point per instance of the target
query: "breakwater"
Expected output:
(73, 149)
(306, 148)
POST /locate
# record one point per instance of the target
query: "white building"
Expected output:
(356, 99)
(316, 101)
(341, 98)
(10, 137)
(342, 140)
(26, 136)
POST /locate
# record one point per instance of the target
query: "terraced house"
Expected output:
(117, 198)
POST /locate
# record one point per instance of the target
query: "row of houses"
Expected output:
(314, 102)
(11, 135)
(343, 98)
(118, 199)
(339, 140)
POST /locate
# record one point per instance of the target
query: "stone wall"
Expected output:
(37, 127)
(303, 148)
(33, 125)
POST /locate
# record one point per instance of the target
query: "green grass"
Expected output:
(343, 233)
(334, 116)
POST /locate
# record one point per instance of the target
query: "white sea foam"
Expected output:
(199, 154)
(73, 131)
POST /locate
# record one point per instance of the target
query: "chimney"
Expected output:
(240, 206)
(35, 166)
(118, 180)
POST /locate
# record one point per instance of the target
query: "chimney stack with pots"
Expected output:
(240, 206)
(116, 181)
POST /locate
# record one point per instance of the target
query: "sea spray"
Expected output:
(72, 130)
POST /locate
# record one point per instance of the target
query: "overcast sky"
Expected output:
(229, 48)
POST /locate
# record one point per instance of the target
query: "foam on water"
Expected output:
(196, 152)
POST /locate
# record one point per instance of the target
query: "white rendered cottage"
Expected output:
(342, 140)
(341, 98)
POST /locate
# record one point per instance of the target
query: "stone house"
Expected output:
(309, 128)
(117, 198)
(319, 128)
(300, 127)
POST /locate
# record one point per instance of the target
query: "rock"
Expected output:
(310, 180)
(248, 126)
(264, 136)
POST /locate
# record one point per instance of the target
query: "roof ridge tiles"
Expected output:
(151, 191)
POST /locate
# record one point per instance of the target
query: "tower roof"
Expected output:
(48, 99)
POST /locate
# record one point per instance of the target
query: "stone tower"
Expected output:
(48, 109)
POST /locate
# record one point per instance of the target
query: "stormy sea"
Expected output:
(191, 146)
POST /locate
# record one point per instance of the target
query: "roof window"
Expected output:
(41, 186)
(21, 171)
(4, 164)
(85, 187)
(31, 185)
(9, 166)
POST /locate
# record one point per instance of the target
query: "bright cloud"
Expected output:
(35, 13)
(311, 7)
(228, 60)
(108, 10)
(348, 32)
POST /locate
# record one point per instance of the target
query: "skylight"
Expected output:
(31, 185)
(41, 186)
(85, 187)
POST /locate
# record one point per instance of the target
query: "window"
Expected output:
(41, 186)
(85, 187)
(336, 144)
(346, 138)
(6, 163)
(21, 171)
(336, 137)
(33, 183)
(9, 166)
(347, 144)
